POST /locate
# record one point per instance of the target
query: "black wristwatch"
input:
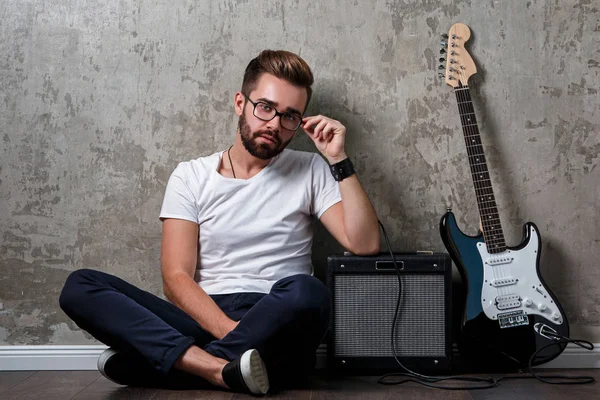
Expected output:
(343, 169)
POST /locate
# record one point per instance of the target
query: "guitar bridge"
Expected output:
(512, 319)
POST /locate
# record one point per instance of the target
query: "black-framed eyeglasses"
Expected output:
(266, 112)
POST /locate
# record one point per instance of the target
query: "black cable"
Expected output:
(484, 383)
(565, 380)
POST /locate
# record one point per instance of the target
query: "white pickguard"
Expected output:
(511, 283)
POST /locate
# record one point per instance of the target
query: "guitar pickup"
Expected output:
(510, 297)
(507, 305)
(503, 282)
(499, 260)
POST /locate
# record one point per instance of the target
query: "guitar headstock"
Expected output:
(459, 64)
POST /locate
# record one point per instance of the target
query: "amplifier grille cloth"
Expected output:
(364, 311)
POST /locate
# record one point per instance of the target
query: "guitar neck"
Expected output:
(486, 201)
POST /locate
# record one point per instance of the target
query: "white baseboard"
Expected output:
(56, 358)
(576, 357)
(77, 357)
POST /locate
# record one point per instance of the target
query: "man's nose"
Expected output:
(275, 123)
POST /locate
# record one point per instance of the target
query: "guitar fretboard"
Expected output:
(486, 201)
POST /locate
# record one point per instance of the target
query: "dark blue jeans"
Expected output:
(285, 325)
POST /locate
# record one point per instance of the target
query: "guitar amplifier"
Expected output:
(364, 294)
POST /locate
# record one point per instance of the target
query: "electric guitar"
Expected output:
(509, 312)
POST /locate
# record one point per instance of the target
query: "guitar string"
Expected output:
(469, 134)
(480, 172)
(475, 151)
(477, 169)
(471, 131)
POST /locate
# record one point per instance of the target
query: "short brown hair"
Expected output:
(281, 64)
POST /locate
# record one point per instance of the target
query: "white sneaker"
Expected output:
(247, 374)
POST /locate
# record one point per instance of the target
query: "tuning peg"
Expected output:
(452, 52)
(453, 44)
(441, 67)
(452, 61)
(454, 36)
(443, 43)
(442, 51)
(441, 74)
(444, 36)
(442, 59)
(450, 77)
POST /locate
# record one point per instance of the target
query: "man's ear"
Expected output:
(238, 103)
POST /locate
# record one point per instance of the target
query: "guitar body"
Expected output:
(515, 275)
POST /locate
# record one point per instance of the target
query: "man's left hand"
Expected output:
(329, 136)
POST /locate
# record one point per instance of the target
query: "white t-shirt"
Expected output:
(252, 232)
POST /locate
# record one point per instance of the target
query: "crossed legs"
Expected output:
(285, 326)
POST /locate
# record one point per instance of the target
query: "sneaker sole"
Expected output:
(106, 354)
(254, 372)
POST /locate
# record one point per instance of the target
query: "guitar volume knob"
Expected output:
(527, 302)
(542, 307)
(555, 316)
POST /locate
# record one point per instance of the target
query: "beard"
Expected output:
(263, 151)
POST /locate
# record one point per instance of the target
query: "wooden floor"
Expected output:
(90, 385)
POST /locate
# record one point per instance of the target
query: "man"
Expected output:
(245, 311)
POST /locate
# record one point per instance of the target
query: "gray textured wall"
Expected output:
(101, 99)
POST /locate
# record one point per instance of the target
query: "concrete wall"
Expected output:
(99, 100)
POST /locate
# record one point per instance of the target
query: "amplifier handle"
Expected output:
(388, 265)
